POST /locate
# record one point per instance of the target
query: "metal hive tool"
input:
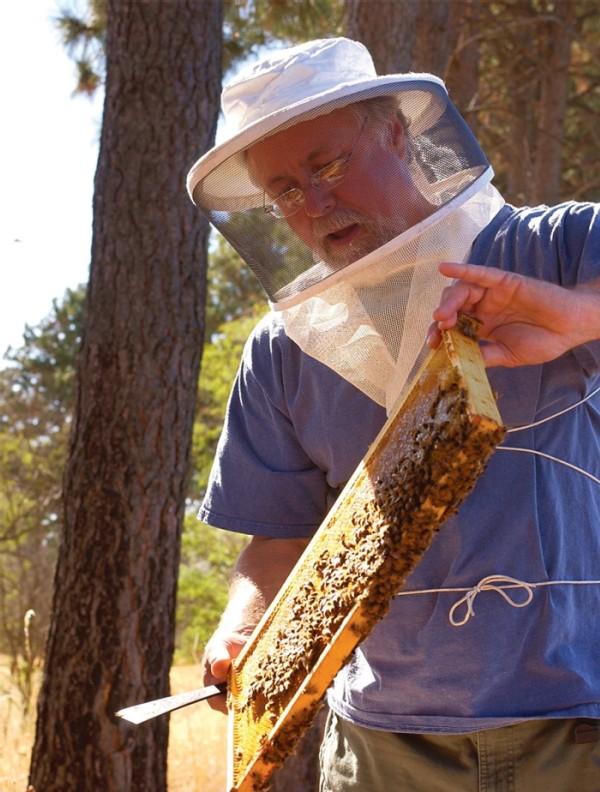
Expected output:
(421, 466)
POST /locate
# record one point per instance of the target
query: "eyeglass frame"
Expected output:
(317, 180)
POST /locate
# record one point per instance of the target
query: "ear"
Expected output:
(398, 137)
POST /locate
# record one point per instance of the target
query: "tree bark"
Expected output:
(386, 28)
(111, 636)
(521, 77)
(462, 67)
(435, 37)
(555, 54)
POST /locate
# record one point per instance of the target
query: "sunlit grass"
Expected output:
(16, 734)
(197, 747)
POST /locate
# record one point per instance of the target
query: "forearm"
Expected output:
(588, 316)
(259, 573)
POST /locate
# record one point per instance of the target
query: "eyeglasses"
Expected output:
(330, 175)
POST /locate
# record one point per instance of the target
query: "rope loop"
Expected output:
(497, 583)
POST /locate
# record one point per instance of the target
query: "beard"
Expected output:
(371, 233)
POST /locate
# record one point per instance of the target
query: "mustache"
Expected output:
(341, 218)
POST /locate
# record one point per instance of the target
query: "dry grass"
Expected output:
(16, 734)
(198, 741)
(197, 749)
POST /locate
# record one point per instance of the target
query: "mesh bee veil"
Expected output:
(397, 184)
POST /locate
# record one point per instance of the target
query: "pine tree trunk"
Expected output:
(462, 69)
(111, 636)
(386, 28)
(555, 55)
(521, 94)
(435, 37)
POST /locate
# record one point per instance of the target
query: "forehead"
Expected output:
(280, 154)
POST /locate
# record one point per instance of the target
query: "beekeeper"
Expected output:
(344, 192)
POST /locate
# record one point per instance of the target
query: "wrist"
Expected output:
(588, 311)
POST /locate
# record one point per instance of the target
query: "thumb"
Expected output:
(220, 666)
(221, 651)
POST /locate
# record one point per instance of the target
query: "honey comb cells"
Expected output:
(422, 465)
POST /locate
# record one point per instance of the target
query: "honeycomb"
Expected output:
(422, 465)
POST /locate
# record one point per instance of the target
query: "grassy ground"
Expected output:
(16, 734)
(197, 748)
(198, 741)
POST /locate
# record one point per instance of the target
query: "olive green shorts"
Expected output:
(560, 755)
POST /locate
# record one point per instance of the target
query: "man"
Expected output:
(380, 181)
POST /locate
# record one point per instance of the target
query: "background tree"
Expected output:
(520, 71)
(36, 398)
(111, 637)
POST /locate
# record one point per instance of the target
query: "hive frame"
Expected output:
(421, 466)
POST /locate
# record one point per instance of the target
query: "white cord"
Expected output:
(499, 584)
(556, 415)
(552, 459)
(595, 479)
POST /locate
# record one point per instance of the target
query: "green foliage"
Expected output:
(219, 364)
(235, 303)
(208, 555)
(232, 288)
(42, 377)
(250, 24)
(36, 399)
(37, 394)
(83, 36)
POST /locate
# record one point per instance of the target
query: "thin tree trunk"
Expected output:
(462, 69)
(522, 94)
(386, 28)
(435, 37)
(111, 636)
(557, 38)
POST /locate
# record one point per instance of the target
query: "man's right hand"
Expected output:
(221, 649)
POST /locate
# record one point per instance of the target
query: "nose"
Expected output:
(318, 202)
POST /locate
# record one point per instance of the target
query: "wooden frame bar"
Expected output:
(422, 465)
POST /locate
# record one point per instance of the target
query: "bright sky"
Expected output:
(48, 152)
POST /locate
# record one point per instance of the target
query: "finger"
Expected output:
(460, 297)
(219, 668)
(486, 277)
(216, 703)
(497, 355)
(467, 272)
(433, 336)
(219, 653)
(216, 662)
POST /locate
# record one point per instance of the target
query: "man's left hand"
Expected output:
(524, 321)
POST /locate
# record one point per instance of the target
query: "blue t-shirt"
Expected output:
(294, 434)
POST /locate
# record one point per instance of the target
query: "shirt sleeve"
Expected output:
(262, 481)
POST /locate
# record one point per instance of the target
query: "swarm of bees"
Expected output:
(351, 576)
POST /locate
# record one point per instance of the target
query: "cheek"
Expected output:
(301, 227)
(372, 198)
(382, 183)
